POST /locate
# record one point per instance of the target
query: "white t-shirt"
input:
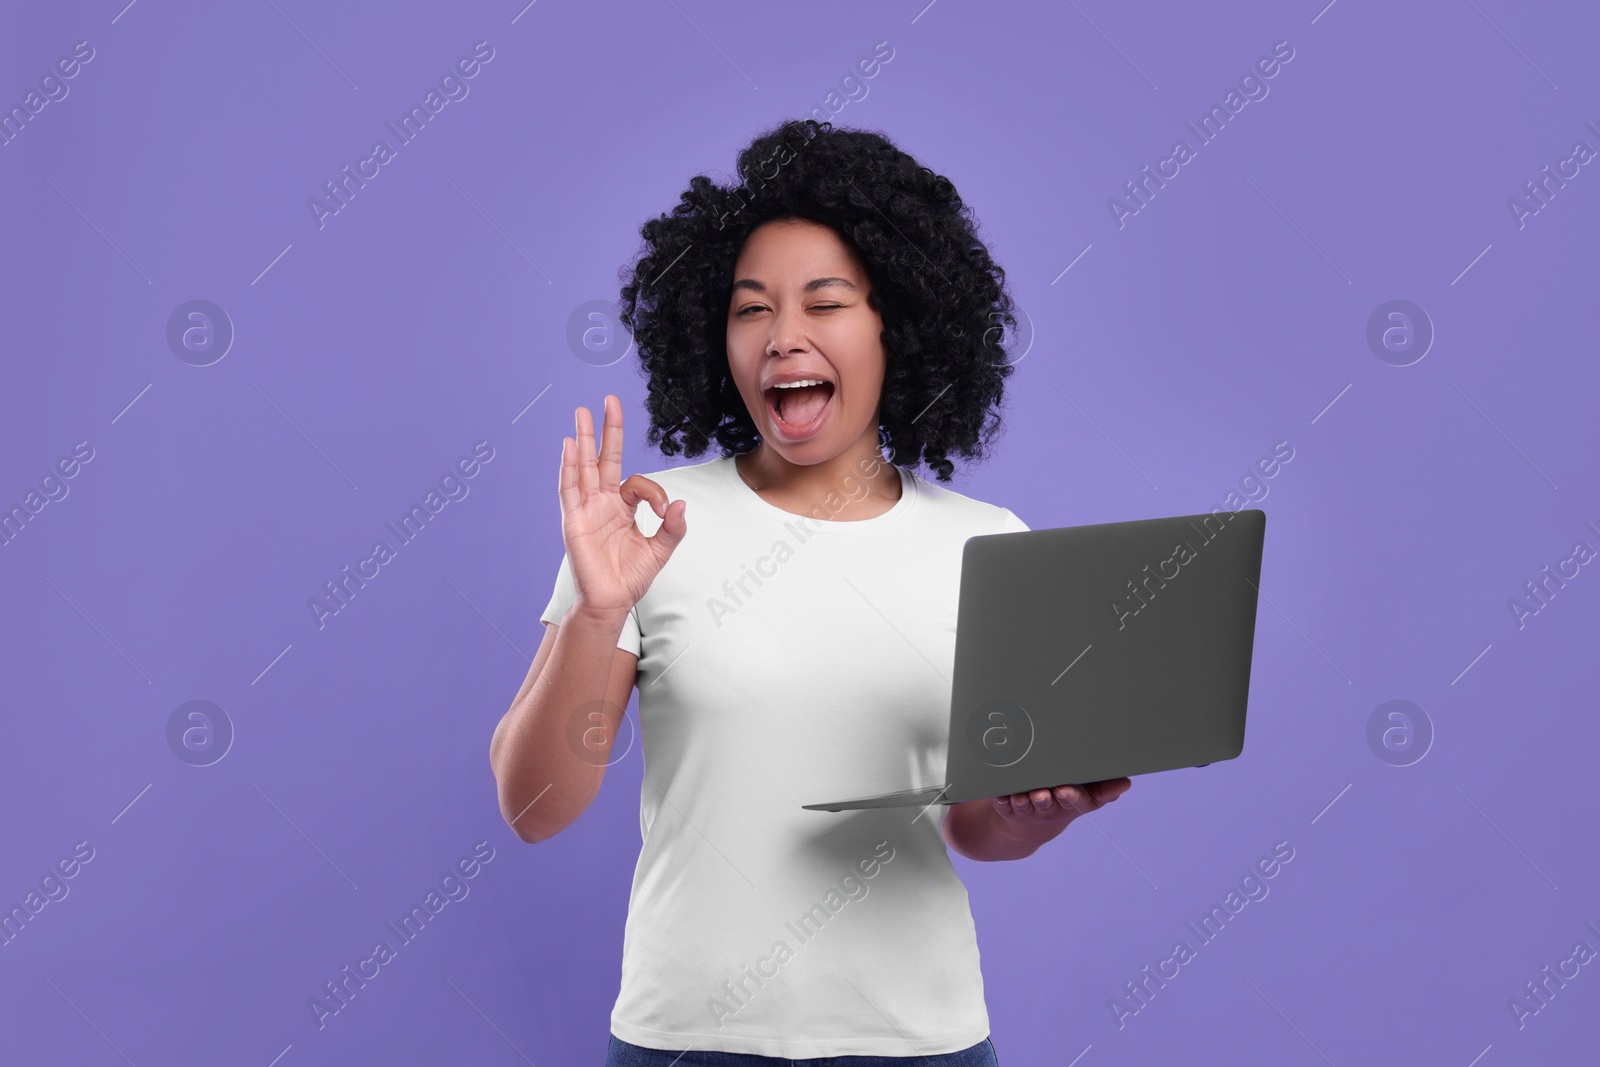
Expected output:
(791, 660)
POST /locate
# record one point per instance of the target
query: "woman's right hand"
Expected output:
(612, 563)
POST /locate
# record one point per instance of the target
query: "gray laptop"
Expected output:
(1095, 652)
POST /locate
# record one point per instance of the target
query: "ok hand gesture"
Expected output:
(612, 563)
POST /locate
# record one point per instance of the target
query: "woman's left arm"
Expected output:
(1013, 827)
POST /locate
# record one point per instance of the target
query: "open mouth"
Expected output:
(798, 411)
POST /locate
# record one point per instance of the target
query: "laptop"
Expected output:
(1094, 652)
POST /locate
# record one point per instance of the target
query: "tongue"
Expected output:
(800, 406)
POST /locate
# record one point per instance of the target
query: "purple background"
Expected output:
(1227, 315)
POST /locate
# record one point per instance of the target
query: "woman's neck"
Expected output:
(855, 484)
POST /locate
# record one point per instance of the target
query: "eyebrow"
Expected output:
(810, 287)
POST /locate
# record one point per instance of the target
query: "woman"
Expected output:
(798, 644)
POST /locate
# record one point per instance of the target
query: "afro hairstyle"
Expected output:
(942, 299)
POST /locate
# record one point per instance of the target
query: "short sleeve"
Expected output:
(1012, 524)
(566, 594)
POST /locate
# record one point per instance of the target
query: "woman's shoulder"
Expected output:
(690, 475)
(682, 482)
(946, 504)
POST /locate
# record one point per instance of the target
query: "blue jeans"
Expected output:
(622, 1054)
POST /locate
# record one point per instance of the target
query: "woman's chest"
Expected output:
(814, 623)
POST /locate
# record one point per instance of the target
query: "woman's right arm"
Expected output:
(550, 749)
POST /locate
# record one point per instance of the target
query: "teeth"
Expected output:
(797, 385)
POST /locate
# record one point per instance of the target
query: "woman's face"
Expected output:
(799, 311)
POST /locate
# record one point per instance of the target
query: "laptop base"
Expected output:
(905, 798)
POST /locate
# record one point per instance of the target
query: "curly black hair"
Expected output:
(942, 298)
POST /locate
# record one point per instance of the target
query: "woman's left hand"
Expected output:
(1040, 815)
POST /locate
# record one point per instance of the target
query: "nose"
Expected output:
(788, 332)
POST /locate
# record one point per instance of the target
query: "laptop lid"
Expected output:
(1095, 652)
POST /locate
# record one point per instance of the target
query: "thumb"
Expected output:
(672, 530)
